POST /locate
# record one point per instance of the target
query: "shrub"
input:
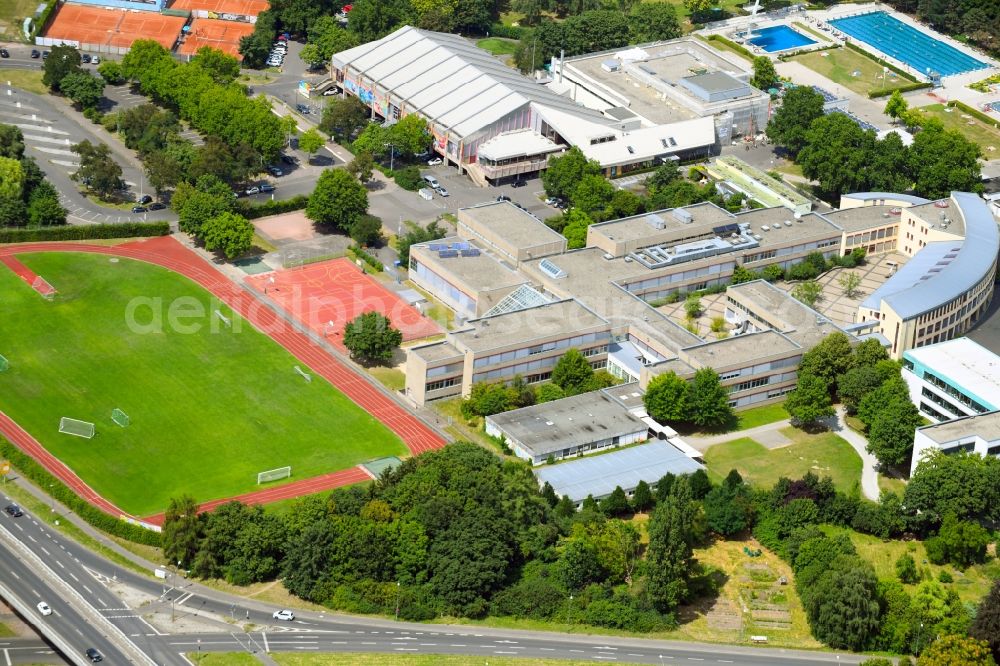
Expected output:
(409, 178)
(85, 232)
(276, 207)
(885, 92)
(507, 31)
(733, 45)
(367, 258)
(975, 113)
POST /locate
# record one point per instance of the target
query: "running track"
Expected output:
(169, 253)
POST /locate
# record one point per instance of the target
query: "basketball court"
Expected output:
(336, 292)
(115, 28)
(222, 35)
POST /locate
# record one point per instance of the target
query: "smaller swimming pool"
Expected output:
(779, 38)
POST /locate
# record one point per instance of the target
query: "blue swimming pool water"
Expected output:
(779, 38)
(907, 44)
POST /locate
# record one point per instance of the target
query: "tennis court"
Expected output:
(338, 291)
(238, 7)
(96, 27)
(222, 35)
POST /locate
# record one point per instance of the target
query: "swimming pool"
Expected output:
(907, 44)
(779, 38)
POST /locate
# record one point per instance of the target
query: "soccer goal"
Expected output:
(68, 426)
(42, 286)
(274, 475)
(120, 417)
(4, 364)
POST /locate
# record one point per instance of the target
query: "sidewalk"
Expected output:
(705, 442)
(869, 465)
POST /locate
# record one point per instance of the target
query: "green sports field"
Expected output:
(209, 407)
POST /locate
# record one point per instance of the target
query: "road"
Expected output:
(15, 651)
(90, 575)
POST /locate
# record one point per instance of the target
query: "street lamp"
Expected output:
(397, 601)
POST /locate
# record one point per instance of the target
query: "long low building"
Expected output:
(952, 379)
(974, 434)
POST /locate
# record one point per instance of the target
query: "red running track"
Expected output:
(169, 253)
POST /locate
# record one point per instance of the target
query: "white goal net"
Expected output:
(42, 286)
(121, 418)
(274, 474)
(68, 426)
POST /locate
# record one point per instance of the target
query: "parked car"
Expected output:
(275, 171)
(289, 159)
(518, 183)
(93, 655)
(85, 58)
(252, 190)
(4, 53)
(503, 197)
(266, 187)
(425, 193)
(95, 60)
(45, 55)
(145, 199)
(43, 608)
(284, 615)
(14, 510)
(139, 209)
(440, 190)
(331, 91)
(302, 108)
(432, 181)
(156, 205)
(434, 161)
(35, 53)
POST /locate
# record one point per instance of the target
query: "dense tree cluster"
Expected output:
(206, 211)
(62, 73)
(841, 156)
(702, 402)
(26, 198)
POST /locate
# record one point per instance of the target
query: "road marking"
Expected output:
(306, 647)
(576, 650)
(263, 635)
(101, 601)
(32, 539)
(73, 576)
(724, 661)
(502, 652)
(606, 658)
(6, 656)
(428, 644)
(18, 527)
(457, 645)
(61, 565)
(695, 659)
(89, 591)
(406, 649)
(15, 575)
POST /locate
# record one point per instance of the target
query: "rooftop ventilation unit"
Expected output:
(788, 223)
(656, 221)
(757, 236)
(550, 269)
(608, 256)
(682, 215)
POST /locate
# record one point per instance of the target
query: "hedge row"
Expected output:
(276, 207)
(785, 57)
(508, 31)
(367, 258)
(975, 113)
(85, 232)
(885, 92)
(884, 63)
(38, 26)
(733, 45)
(58, 490)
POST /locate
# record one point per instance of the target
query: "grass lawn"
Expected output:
(758, 416)
(30, 80)
(210, 406)
(974, 130)
(893, 484)
(222, 659)
(824, 454)
(12, 15)
(498, 46)
(722, 46)
(971, 584)
(839, 66)
(5, 631)
(391, 378)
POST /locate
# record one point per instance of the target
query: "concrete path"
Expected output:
(869, 465)
(704, 442)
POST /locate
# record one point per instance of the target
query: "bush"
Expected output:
(85, 232)
(276, 207)
(507, 31)
(409, 178)
(367, 258)
(909, 87)
(90, 513)
(731, 44)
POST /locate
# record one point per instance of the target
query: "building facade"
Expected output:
(972, 434)
(952, 379)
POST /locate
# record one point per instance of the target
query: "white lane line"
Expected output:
(89, 591)
(33, 540)
(263, 635)
(101, 601)
(61, 565)
(6, 656)
(406, 649)
(73, 576)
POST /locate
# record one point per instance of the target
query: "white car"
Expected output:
(43, 608)
(434, 162)
(252, 190)
(285, 615)
(441, 191)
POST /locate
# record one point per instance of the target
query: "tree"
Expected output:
(764, 75)
(374, 139)
(311, 141)
(83, 88)
(11, 142)
(62, 61)
(98, 171)
(338, 200)
(371, 338)
(566, 171)
(642, 497)
(229, 233)
(595, 30)
(668, 556)
(181, 531)
(592, 195)
(800, 106)
(416, 234)
(163, 171)
(849, 282)
(729, 507)
(896, 106)
(964, 484)
(962, 543)
(890, 433)
(906, 569)
(956, 651)
(666, 398)
(572, 372)
(366, 230)
(888, 167)
(11, 179)
(577, 222)
(409, 136)
(943, 161)
(222, 67)
(836, 153)
(653, 21)
(44, 208)
(708, 400)
(842, 606)
(373, 19)
(256, 46)
(828, 359)
(326, 37)
(344, 117)
(111, 72)
(615, 504)
(856, 383)
(361, 167)
(196, 204)
(986, 626)
(692, 306)
(810, 401)
(578, 565)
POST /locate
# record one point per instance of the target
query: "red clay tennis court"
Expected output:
(338, 291)
(239, 7)
(99, 26)
(222, 35)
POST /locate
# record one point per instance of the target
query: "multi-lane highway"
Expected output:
(244, 625)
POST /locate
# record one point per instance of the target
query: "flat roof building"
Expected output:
(975, 434)
(571, 426)
(952, 379)
(510, 231)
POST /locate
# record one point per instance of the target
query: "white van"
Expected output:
(432, 181)
(426, 193)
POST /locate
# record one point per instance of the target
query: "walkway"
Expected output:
(869, 465)
(167, 252)
(766, 431)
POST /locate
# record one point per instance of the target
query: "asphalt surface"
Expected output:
(89, 574)
(15, 651)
